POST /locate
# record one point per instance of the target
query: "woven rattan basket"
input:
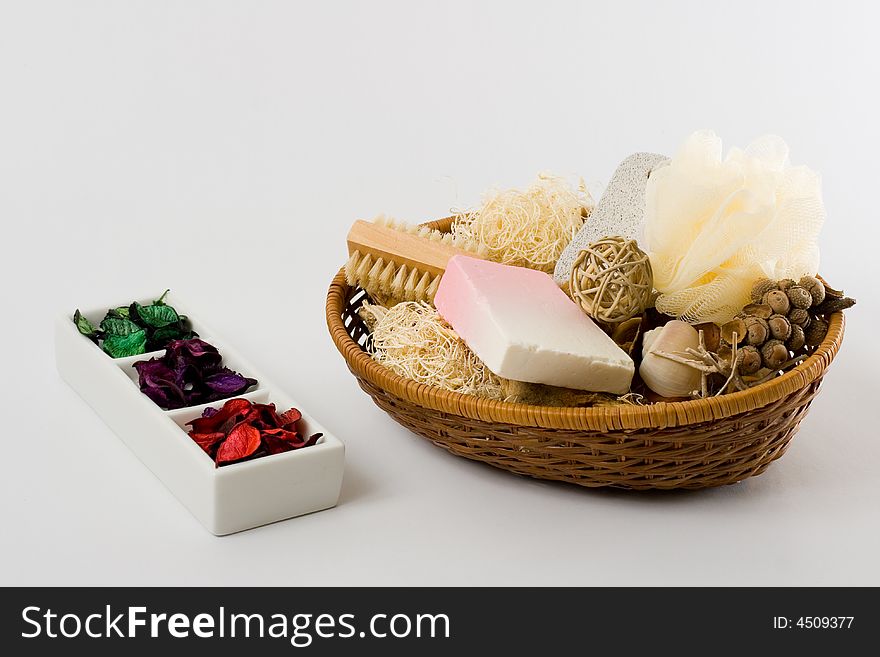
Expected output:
(690, 444)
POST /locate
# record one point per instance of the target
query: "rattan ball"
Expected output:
(612, 280)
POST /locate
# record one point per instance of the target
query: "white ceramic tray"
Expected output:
(227, 499)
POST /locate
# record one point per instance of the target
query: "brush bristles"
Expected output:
(433, 235)
(386, 279)
(398, 284)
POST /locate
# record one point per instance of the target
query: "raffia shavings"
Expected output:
(413, 341)
(527, 228)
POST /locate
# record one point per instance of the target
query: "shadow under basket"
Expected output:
(691, 444)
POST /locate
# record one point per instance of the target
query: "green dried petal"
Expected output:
(120, 346)
(85, 326)
(122, 312)
(165, 333)
(160, 337)
(118, 326)
(157, 315)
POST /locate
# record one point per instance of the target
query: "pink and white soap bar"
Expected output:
(523, 327)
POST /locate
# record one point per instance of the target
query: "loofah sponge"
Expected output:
(714, 226)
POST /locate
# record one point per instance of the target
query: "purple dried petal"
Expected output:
(157, 381)
(199, 353)
(227, 382)
(158, 395)
(194, 347)
(189, 373)
(151, 370)
(186, 373)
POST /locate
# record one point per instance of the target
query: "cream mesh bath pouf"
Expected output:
(713, 226)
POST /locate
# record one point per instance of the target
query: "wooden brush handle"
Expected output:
(403, 248)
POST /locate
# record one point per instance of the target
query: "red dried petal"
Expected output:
(213, 423)
(238, 405)
(242, 441)
(207, 441)
(291, 437)
(241, 429)
(280, 431)
(289, 417)
(268, 414)
(203, 424)
(276, 445)
(265, 417)
(252, 416)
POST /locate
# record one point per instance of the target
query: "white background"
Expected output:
(222, 149)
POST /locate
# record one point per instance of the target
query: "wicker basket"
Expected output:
(690, 444)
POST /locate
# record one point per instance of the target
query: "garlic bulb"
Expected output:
(664, 376)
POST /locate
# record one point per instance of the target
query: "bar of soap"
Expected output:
(523, 327)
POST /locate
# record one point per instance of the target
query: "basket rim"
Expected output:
(659, 415)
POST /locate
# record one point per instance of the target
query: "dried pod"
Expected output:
(834, 294)
(815, 287)
(736, 327)
(799, 317)
(666, 377)
(785, 283)
(778, 301)
(762, 287)
(757, 331)
(711, 335)
(626, 333)
(815, 333)
(751, 360)
(833, 304)
(799, 297)
(780, 327)
(761, 310)
(774, 354)
(796, 340)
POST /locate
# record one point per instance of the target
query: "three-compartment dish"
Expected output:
(260, 487)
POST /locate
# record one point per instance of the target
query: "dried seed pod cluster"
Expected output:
(784, 317)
